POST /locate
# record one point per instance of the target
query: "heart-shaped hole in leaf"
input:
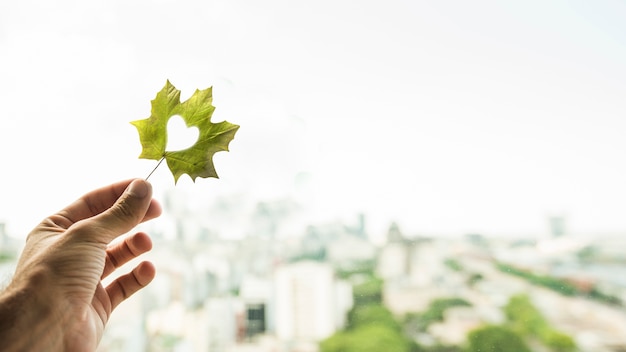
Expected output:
(179, 136)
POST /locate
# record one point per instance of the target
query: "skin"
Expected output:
(56, 300)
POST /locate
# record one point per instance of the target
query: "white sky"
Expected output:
(446, 116)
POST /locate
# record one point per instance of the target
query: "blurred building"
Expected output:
(348, 249)
(394, 261)
(557, 226)
(3, 234)
(457, 323)
(256, 295)
(310, 303)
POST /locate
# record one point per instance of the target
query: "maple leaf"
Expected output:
(197, 160)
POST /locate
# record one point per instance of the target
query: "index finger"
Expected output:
(99, 200)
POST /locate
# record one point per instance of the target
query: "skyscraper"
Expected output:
(557, 226)
(309, 302)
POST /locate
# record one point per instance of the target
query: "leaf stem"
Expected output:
(157, 165)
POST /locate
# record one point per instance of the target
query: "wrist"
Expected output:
(27, 318)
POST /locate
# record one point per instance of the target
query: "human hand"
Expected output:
(56, 300)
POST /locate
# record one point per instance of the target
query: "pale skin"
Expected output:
(56, 300)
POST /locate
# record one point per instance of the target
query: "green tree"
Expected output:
(363, 268)
(494, 338)
(368, 292)
(367, 338)
(561, 286)
(372, 314)
(474, 278)
(558, 341)
(6, 256)
(527, 320)
(436, 348)
(453, 264)
(434, 313)
(524, 317)
(588, 254)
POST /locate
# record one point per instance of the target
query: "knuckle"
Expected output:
(123, 209)
(85, 231)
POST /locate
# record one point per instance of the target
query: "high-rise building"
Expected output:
(3, 235)
(557, 226)
(255, 319)
(255, 294)
(310, 303)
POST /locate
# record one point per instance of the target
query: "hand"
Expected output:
(56, 300)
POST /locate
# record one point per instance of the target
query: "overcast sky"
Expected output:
(445, 116)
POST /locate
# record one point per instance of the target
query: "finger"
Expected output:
(126, 285)
(96, 202)
(121, 253)
(127, 212)
(154, 210)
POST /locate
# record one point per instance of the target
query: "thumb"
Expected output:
(126, 213)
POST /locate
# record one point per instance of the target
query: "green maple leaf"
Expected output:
(197, 160)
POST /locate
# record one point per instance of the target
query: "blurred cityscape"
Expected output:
(288, 286)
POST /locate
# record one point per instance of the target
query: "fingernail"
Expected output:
(138, 188)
